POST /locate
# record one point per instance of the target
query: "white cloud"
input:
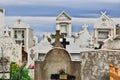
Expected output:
(109, 1)
(49, 22)
(53, 2)
(46, 21)
(84, 20)
(30, 20)
(33, 2)
(36, 23)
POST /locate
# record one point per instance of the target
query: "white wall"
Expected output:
(2, 22)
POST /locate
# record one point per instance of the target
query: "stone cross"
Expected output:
(57, 42)
(32, 55)
(58, 36)
(64, 43)
(85, 27)
(19, 20)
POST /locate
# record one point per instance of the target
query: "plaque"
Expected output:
(63, 77)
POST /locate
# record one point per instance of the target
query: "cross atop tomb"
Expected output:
(64, 43)
(57, 42)
(19, 20)
(44, 37)
(85, 26)
(103, 13)
(58, 36)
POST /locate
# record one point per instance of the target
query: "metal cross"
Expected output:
(64, 43)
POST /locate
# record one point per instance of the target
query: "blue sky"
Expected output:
(76, 8)
(41, 14)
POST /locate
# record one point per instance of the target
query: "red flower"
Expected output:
(62, 71)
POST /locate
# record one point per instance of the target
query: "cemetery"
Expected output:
(61, 55)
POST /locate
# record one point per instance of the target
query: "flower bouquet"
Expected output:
(62, 74)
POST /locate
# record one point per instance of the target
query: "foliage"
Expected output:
(25, 75)
(15, 71)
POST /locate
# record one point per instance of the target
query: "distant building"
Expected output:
(83, 38)
(103, 27)
(82, 41)
(63, 23)
(22, 34)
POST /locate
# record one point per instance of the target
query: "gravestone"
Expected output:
(56, 59)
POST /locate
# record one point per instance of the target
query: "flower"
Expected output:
(62, 71)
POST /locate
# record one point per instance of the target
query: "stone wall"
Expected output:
(95, 64)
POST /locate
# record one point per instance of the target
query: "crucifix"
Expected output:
(64, 43)
(57, 42)
(19, 20)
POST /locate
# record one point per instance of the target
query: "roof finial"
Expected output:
(103, 12)
(19, 20)
(44, 37)
(84, 27)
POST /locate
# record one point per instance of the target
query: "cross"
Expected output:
(19, 20)
(103, 13)
(58, 36)
(57, 39)
(32, 55)
(85, 27)
(64, 43)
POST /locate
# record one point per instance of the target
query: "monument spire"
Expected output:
(57, 42)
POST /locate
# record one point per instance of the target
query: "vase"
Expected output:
(63, 76)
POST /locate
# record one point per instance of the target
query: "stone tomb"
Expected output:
(56, 59)
(95, 64)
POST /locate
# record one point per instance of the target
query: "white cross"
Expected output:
(103, 13)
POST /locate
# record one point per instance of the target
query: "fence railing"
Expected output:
(114, 72)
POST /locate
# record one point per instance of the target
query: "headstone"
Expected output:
(56, 59)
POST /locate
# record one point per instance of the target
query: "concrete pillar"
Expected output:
(2, 21)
